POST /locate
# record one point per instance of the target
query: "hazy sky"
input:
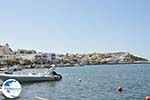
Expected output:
(76, 26)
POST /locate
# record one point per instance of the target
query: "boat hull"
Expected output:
(31, 78)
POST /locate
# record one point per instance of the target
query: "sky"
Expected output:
(76, 26)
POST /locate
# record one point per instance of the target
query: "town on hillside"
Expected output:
(32, 58)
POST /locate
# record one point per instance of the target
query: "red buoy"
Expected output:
(147, 98)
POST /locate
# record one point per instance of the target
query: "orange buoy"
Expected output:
(119, 89)
(147, 98)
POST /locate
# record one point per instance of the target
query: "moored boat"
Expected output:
(51, 75)
(30, 78)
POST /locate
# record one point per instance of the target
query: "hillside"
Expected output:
(98, 58)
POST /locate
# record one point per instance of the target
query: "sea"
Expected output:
(94, 82)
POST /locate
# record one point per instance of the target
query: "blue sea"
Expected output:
(95, 82)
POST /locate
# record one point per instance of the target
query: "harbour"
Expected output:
(98, 82)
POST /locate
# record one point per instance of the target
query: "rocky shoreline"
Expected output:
(20, 67)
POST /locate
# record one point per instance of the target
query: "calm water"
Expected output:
(98, 83)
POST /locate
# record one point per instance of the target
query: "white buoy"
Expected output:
(80, 80)
(120, 89)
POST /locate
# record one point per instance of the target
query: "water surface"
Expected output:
(98, 82)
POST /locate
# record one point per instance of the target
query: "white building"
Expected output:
(5, 58)
(44, 57)
(6, 53)
(25, 57)
(5, 50)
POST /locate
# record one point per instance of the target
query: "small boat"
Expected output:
(8, 72)
(51, 75)
(31, 78)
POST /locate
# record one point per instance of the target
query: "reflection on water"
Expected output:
(91, 83)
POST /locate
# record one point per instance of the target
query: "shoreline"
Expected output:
(20, 67)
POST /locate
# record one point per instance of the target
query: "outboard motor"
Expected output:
(59, 76)
(54, 73)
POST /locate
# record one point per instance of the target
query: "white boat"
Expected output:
(51, 75)
(31, 78)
